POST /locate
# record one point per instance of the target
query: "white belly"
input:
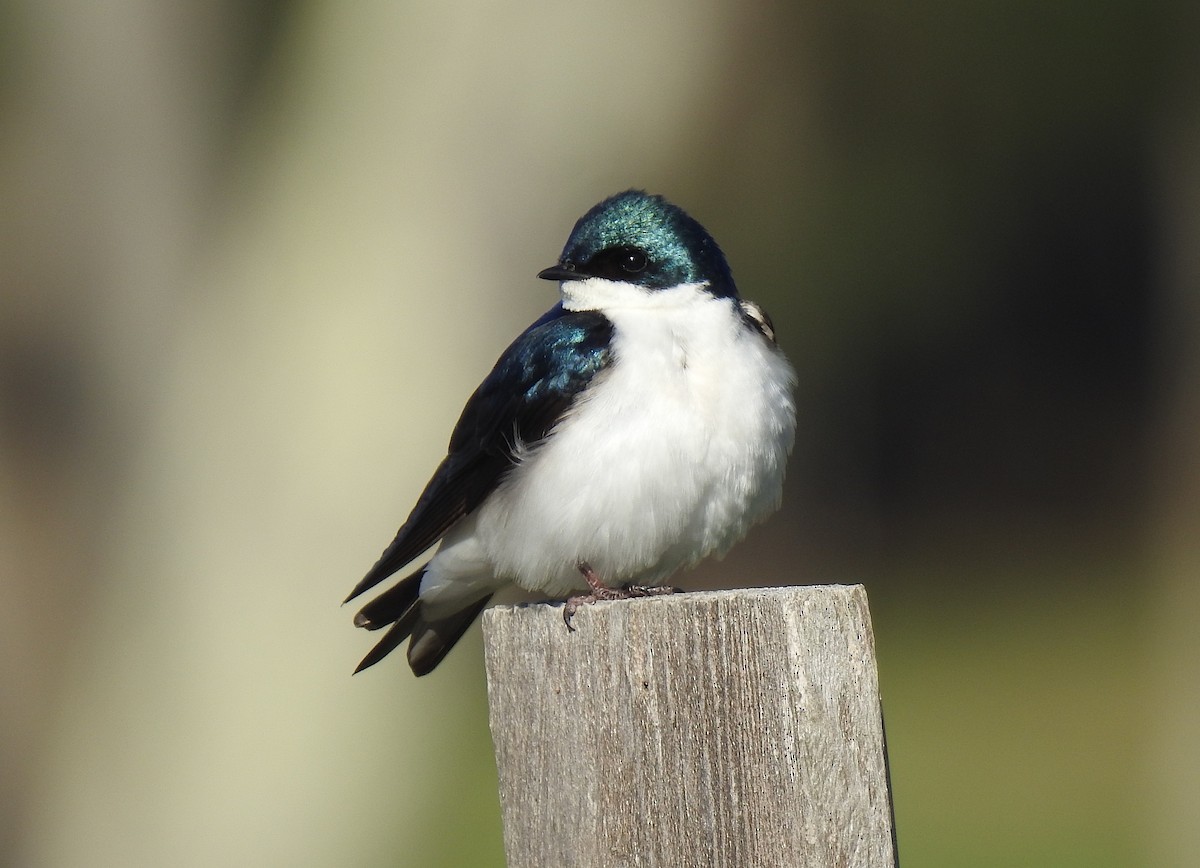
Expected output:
(670, 456)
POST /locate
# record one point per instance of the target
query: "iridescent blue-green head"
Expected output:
(637, 238)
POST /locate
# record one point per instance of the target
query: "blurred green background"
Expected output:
(254, 256)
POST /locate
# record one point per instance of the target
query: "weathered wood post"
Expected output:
(728, 728)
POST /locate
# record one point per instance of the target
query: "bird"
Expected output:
(641, 424)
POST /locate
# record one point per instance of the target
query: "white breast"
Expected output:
(669, 456)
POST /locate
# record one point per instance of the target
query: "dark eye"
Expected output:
(632, 260)
(624, 262)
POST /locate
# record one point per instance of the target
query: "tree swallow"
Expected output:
(640, 425)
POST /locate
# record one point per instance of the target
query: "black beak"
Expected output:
(560, 272)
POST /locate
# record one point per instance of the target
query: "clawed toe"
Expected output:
(601, 593)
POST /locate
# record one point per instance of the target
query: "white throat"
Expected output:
(597, 293)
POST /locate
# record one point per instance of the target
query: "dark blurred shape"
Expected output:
(1035, 403)
(970, 277)
(42, 397)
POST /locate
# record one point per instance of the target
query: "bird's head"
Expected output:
(635, 244)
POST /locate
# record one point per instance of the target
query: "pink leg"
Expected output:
(601, 592)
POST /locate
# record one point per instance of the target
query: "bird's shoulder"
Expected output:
(535, 380)
(531, 386)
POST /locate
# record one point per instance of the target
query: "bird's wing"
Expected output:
(532, 385)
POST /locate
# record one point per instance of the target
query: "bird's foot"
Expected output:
(602, 593)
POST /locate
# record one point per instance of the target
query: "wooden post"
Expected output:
(728, 728)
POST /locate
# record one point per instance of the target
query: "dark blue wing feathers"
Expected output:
(535, 381)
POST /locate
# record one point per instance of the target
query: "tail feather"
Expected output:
(391, 605)
(400, 609)
(391, 639)
(432, 640)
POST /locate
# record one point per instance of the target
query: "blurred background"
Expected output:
(254, 256)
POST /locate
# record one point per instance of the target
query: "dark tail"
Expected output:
(401, 607)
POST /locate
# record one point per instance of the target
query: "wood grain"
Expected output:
(729, 728)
